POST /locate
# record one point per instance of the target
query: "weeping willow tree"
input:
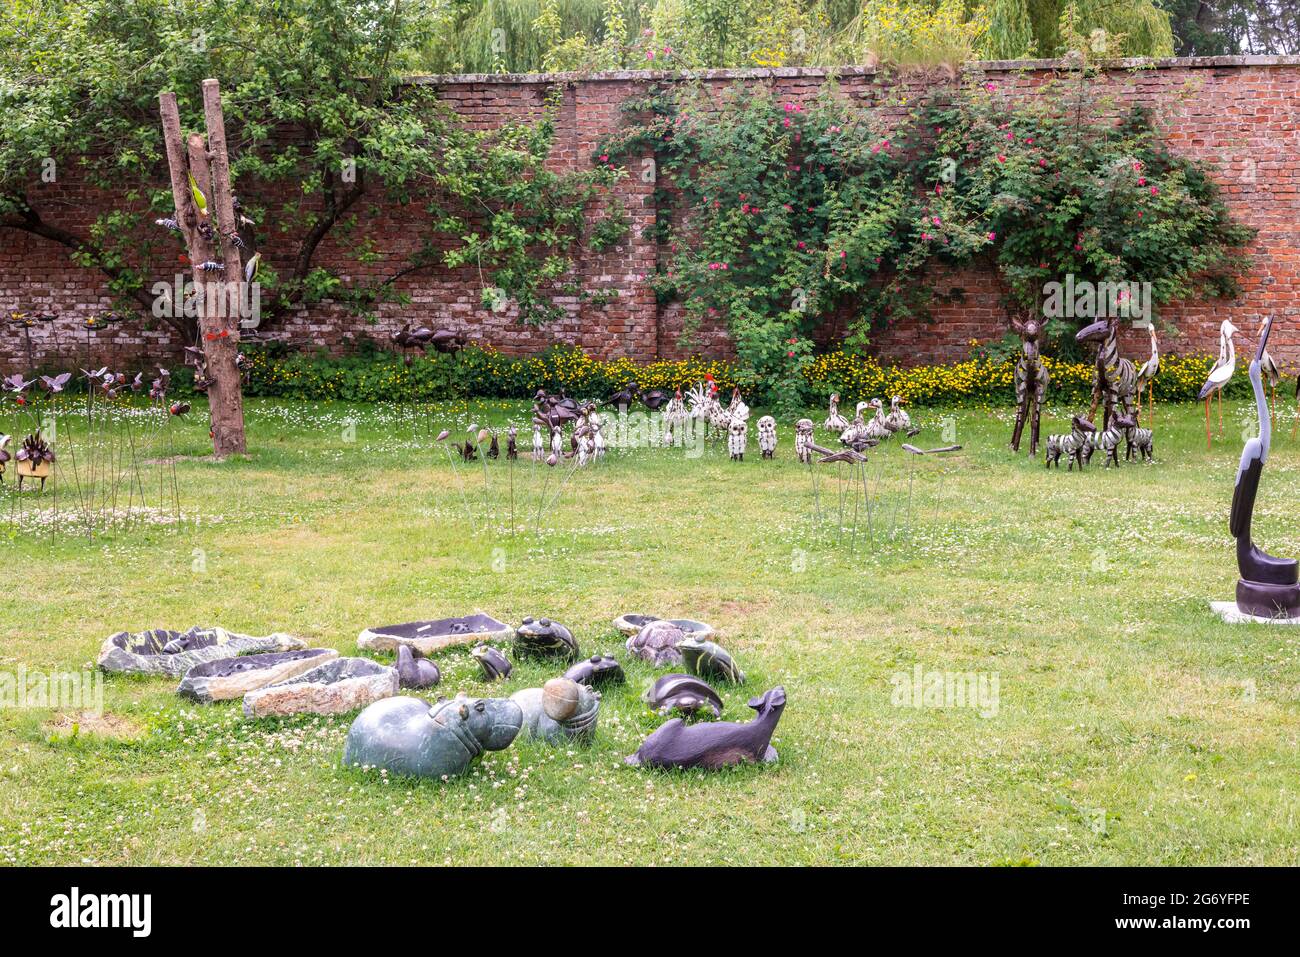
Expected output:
(516, 36)
(523, 36)
(1047, 28)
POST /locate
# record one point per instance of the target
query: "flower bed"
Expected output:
(374, 375)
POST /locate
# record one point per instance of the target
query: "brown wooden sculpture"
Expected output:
(1032, 379)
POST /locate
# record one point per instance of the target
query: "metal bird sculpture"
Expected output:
(1220, 374)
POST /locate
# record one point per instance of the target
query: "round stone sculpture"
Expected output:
(561, 710)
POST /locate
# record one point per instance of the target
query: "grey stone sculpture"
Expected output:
(163, 652)
(335, 687)
(597, 671)
(630, 624)
(561, 710)
(427, 637)
(708, 659)
(408, 736)
(495, 665)
(414, 670)
(685, 694)
(657, 643)
(542, 637)
(228, 678)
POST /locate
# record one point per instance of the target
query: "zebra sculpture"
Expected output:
(1032, 379)
(1138, 440)
(1108, 439)
(1070, 444)
(1114, 380)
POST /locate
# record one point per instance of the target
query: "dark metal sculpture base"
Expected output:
(1265, 600)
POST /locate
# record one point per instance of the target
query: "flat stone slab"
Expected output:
(631, 624)
(344, 684)
(144, 653)
(229, 678)
(1231, 615)
(430, 636)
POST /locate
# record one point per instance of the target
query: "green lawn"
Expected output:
(1130, 726)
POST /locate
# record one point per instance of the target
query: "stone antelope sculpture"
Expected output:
(717, 744)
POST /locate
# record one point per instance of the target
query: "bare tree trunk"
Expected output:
(218, 320)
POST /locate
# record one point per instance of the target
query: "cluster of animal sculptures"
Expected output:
(1118, 389)
(279, 675)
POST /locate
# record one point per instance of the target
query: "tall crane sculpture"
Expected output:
(1268, 585)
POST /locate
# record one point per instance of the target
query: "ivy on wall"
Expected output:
(780, 216)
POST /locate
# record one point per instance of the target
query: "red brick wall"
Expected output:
(1238, 115)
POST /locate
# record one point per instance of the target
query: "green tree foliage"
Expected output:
(530, 35)
(320, 126)
(1214, 27)
(1050, 28)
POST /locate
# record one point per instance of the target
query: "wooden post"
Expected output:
(222, 289)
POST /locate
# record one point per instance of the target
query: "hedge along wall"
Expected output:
(1237, 114)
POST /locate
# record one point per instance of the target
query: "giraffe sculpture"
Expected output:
(1031, 379)
(1115, 379)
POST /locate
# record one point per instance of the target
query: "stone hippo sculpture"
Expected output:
(715, 745)
(408, 736)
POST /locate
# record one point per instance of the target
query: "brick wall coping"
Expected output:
(973, 66)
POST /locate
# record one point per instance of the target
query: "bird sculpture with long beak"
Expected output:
(1220, 374)
(1146, 375)
(1268, 585)
(1269, 370)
